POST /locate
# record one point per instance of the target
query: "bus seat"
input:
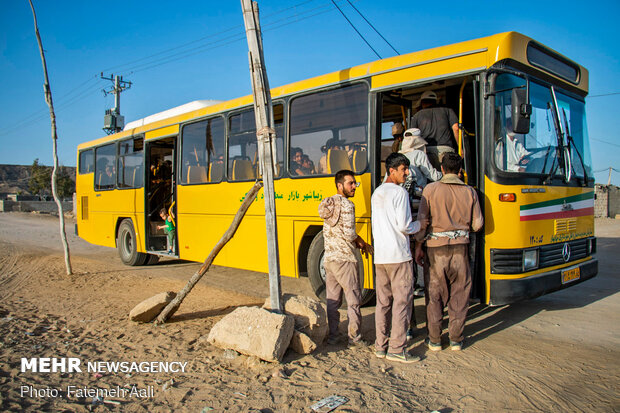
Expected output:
(337, 160)
(242, 170)
(360, 160)
(216, 172)
(196, 174)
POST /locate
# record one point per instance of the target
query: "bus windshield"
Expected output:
(537, 151)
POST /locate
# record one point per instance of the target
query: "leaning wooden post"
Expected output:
(171, 308)
(266, 136)
(48, 99)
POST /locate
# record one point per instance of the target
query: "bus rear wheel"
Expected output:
(316, 270)
(127, 245)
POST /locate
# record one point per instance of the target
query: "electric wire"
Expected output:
(604, 94)
(373, 27)
(354, 28)
(45, 112)
(67, 100)
(608, 143)
(239, 36)
(178, 50)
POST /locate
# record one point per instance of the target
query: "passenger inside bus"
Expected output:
(438, 126)
(307, 166)
(510, 154)
(296, 161)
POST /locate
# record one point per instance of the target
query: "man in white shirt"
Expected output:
(391, 226)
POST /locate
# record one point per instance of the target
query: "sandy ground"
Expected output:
(560, 352)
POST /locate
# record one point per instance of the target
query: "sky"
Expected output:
(181, 51)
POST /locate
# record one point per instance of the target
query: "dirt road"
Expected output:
(560, 352)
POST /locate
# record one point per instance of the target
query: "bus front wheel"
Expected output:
(127, 245)
(316, 270)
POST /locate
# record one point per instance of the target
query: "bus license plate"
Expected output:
(570, 275)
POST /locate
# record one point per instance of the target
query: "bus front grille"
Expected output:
(510, 261)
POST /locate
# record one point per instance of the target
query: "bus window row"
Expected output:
(328, 132)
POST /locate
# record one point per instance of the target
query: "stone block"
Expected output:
(254, 331)
(301, 343)
(150, 308)
(309, 314)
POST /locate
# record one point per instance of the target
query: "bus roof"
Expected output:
(498, 47)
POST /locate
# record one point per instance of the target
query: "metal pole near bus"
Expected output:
(266, 136)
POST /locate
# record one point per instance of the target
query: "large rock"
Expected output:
(255, 332)
(310, 315)
(150, 308)
(301, 343)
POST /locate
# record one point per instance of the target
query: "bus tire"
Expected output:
(316, 272)
(152, 259)
(127, 245)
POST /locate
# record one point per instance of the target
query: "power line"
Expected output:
(373, 27)
(354, 28)
(608, 143)
(240, 33)
(607, 170)
(605, 94)
(67, 100)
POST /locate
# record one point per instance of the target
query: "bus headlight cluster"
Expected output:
(591, 246)
(530, 260)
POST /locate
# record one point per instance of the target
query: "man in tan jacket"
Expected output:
(453, 210)
(341, 241)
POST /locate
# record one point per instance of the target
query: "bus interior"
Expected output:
(160, 190)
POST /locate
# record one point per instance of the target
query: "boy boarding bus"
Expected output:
(521, 131)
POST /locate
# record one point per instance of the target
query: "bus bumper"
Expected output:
(510, 291)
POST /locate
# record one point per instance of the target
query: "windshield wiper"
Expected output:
(554, 167)
(571, 144)
(563, 157)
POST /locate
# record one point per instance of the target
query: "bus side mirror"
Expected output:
(521, 111)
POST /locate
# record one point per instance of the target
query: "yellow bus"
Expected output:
(510, 93)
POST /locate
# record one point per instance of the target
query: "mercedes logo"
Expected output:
(566, 252)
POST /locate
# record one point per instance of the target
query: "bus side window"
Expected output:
(87, 162)
(130, 163)
(330, 120)
(105, 167)
(202, 156)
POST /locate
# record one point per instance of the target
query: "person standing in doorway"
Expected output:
(391, 226)
(438, 125)
(341, 240)
(453, 210)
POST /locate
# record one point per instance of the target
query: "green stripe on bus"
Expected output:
(559, 201)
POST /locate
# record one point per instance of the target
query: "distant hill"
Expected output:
(14, 178)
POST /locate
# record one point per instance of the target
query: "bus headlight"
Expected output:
(530, 260)
(591, 246)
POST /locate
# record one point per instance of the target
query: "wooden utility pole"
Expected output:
(266, 136)
(48, 99)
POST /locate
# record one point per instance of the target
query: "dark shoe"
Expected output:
(432, 346)
(456, 345)
(380, 354)
(410, 334)
(403, 357)
(331, 340)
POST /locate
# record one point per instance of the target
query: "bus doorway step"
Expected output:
(164, 253)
